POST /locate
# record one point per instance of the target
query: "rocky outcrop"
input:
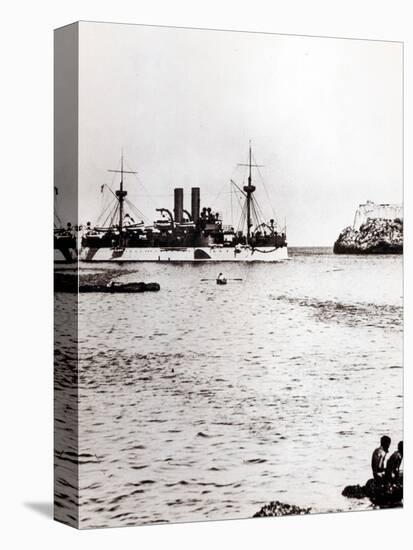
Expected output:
(386, 494)
(277, 508)
(375, 236)
(125, 288)
(71, 282)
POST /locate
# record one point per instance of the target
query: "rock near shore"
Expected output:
(100, 282)
(385, 494)
(276, 508)
(375, 236)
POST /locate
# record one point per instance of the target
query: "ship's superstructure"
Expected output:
(198, 234)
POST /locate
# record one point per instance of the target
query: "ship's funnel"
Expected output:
(195, 203)
(179, 205)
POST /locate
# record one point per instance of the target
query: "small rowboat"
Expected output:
(221, 281)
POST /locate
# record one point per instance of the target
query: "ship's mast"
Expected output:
(121, 194)
(249, 190)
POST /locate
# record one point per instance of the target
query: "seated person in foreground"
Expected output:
(394, 463)
(379, 457)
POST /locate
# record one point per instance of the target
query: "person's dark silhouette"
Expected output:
(379, 457)
(394, 463)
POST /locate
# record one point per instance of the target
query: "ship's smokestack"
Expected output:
(179, 205)
(195, 203)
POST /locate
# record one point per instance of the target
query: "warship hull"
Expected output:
(184, 254)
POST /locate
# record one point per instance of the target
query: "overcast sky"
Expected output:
(324, 116)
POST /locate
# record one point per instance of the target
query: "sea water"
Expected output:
(206, 402)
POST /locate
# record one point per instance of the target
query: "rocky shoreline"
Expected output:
(375, 236)
(384, 495)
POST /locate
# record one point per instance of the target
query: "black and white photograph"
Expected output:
(228, 275)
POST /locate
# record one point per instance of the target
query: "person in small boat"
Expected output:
(220, 277)
(378, 459)
(394, 463)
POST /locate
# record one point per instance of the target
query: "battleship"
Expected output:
(65, 241)
(195, 235)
